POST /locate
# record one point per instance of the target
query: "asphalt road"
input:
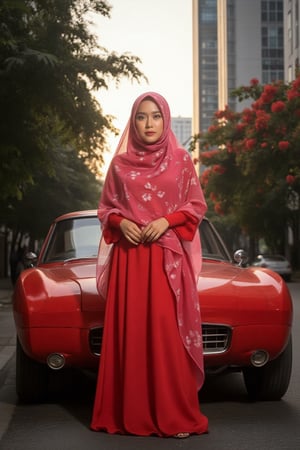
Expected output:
(235, 423)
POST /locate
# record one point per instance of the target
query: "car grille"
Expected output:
(95, 340)
(216, 339)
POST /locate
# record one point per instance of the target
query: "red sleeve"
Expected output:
(114, 220)
(112, 232)
(184, 224)
(176, 218)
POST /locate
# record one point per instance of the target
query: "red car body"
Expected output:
(246, 312)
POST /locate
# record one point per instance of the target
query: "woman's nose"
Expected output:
(149, 122)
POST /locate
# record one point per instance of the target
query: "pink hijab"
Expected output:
(145, 182)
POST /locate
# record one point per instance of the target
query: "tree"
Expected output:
(50, 64)
(74, 187)
(53, 131)
(252, 161)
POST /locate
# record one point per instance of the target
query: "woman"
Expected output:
(152, 359)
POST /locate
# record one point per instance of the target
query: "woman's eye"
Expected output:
(157, 116)
(139, 117)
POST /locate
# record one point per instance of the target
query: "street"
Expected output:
(235, 423)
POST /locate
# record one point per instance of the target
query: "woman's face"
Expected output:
(149, 122)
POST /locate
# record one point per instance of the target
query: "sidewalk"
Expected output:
(7, 326)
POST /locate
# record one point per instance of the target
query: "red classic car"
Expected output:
(246, 312)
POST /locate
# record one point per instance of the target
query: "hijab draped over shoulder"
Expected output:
(148, 181)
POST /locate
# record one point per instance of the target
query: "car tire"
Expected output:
(271, 381)
(31, 378)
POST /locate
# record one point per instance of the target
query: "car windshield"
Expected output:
(74, 238)
(79, 237)
(212, 245)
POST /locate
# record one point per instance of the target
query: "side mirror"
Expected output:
(30, 259)
(240, 257)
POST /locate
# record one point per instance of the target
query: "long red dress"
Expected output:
(147, 380)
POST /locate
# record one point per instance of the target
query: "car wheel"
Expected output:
(271, 381)
(31, 377)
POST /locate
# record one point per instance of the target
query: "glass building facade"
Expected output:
(248, 36)
(272, 45)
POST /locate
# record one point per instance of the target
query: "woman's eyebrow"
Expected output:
(152, 112)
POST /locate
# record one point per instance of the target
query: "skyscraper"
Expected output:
(233, 42)
(182, 127)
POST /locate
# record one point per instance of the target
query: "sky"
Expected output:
(159, 32)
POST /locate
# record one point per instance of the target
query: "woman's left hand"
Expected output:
(153, 231)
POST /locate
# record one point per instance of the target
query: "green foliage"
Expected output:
(72, 188)
(53, 131)
(49, 65)
(252, 160)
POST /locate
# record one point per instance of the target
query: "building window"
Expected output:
(272, 11)
(272, 41)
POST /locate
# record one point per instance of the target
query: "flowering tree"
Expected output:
(252, 161)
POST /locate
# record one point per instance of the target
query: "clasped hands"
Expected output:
(150, 233)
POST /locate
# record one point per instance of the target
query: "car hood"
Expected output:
(217, 274)
(221, 284)
(75, 273)
(240, 295)
(73, 270)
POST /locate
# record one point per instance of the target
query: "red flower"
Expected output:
(212, 128)
(268, 93)
(296, 83)
(264, 145)
(283, 145)
(248, 115)
(254, 81)
(240, 127)
(278, 106)
(290, 179)
(270, 89)
(213, 196)
(262, 120)
(205, 176)
(218, 209)
(208, 154)
(292, 94)
(258, 104)
(217, 168)
(229, 148)
(250, 144)
(220, 114)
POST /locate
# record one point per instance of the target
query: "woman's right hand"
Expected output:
(131, 231)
